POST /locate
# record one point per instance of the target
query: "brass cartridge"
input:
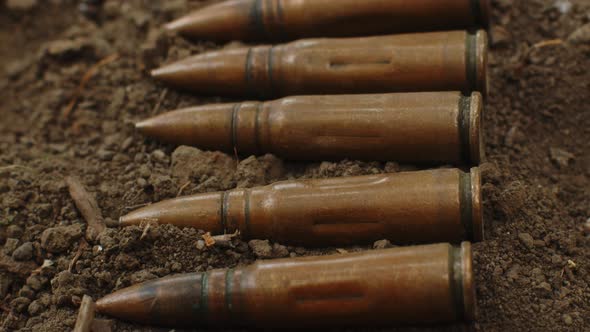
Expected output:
(431, 127)
(294, 19)
(405, 285)
(442, 205)
(433, 61)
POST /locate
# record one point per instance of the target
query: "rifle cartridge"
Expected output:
(405, 285)
(442, 205)
(432, 127)
(294, 19)
(433, 61)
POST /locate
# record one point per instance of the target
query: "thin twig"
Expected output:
(83, 245)
(160, 101)
(85, 79)
(146, 224)
(182, 188)
(133, 207)
(549, 42)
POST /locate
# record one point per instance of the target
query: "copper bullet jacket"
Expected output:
(442, 205)
(409, 285)
(294, 19)
(435, 61)
(439, 127)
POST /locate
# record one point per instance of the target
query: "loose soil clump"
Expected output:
(71, 89)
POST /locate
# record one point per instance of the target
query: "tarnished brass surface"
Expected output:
(442, 205)
(434, 127)
(406, 285)
(294, 19)
(434, 61)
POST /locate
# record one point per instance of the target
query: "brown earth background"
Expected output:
(532, 271)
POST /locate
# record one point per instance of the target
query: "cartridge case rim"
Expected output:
(476, 140)
(476, 205)
(480, 52)
(467, 282)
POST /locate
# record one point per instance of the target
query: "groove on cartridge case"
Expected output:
(407, 207)
(405, 285)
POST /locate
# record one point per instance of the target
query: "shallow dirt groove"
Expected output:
(532, 272)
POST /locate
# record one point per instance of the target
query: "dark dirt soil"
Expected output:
(532, 271)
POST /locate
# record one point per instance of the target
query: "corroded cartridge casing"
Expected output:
(432, 127)
(442, 205)
(406, 285)
(295, 19)
(433, 61)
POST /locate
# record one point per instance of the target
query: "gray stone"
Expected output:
(261, 248)
(24, 252)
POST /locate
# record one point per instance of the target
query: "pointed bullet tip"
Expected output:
(166, 72)
(142, 125)
(157, 72)
(122, 220)
(112, 223)
(174, 26)
(100, 305)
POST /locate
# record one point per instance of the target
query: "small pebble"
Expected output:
(10, 246)
(36, 307)
(24, 252)
(526, 239)
(159, 156)
(20, 304)
(27, 292)
(261, 248)
(382, 244)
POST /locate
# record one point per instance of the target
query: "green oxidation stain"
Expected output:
(202, 305)
(229, 276)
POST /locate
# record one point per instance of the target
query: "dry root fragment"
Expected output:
(146, 224)
(85, 79)
(83, 245)
(209, 240)
(87, 206)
